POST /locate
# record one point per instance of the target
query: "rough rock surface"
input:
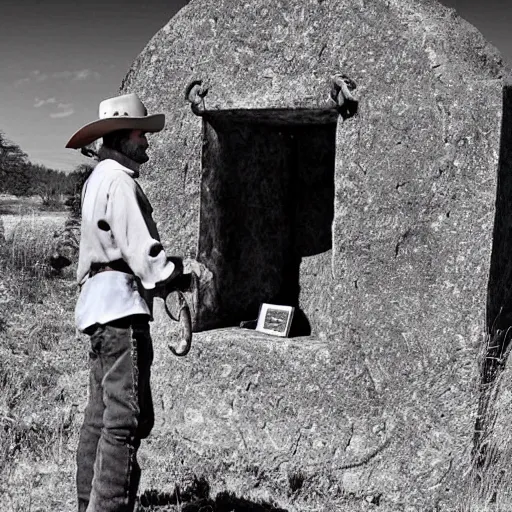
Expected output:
(395, 300)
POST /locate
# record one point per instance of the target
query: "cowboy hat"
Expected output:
(124, 112)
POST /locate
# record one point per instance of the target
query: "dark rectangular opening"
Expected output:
(267, 207)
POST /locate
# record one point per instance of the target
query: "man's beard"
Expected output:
(135, 152)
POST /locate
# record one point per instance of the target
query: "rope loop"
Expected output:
(185, 320)
(195, 93)
(341, 94)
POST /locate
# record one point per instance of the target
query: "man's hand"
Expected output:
(163, 288)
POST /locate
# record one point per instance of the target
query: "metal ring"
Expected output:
(185, 319)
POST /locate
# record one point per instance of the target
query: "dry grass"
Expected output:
(28, 242)
(25, 253)
(42, 372)
(490, 488)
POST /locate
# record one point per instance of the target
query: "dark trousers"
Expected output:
(118, 415)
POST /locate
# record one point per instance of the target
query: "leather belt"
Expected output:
(116, 265)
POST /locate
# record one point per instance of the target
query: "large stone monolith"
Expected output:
(378, 228)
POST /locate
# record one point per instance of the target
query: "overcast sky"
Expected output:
(59, 60)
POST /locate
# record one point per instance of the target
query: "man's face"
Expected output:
(135, 146)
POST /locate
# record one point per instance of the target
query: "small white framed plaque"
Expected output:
(274, 319)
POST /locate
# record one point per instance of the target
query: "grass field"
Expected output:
(15, 205)
(15, 212)
(42, 365)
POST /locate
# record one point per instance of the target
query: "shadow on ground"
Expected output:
(197, 499)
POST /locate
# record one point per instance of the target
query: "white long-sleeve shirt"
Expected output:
(117, 224)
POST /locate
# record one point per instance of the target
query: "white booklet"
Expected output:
(275, 319)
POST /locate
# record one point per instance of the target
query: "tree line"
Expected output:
(20, 177)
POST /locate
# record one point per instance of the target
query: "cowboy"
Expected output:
(121, 266)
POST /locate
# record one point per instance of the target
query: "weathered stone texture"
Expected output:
(396, 300)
